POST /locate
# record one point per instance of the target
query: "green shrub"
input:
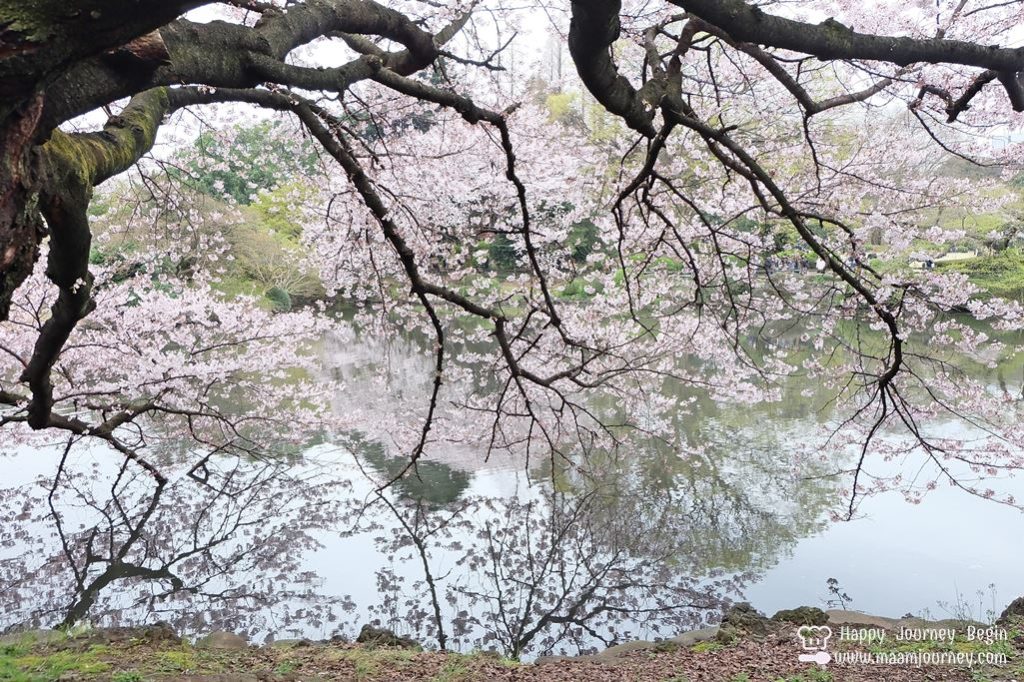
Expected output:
(501, 255)
(1001, 274)
(279, 298)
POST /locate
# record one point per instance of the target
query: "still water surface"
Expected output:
(497, 552)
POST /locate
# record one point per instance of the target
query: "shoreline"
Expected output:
(745, 647)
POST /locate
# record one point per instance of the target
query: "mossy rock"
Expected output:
(666, 646)
(627, 647)
(693, 637)
(223, 640)
(802, 615)
(149, 634)
(492, 654)
(728, 635)
(1012, 613)
(291, 643)
(375, 636)
(746, 618)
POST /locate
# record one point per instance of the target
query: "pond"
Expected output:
(529, 558)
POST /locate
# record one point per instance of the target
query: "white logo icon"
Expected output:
(815, 638)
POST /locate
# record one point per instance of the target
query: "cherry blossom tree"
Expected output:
(708, 134)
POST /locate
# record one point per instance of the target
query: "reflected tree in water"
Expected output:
(574, 561)
(213, 543)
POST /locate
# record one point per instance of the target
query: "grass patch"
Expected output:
(285, 667)
(492, 656)
(19, 666)
(368, 662)
(180, 660)
(9, 671)
(455, 670)
(127, 676)
(1001, 274)
(12, 650)
(707, 647)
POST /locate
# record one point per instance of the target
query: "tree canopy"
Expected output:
(732, 173)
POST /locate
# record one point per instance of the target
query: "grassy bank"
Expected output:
(769, 656)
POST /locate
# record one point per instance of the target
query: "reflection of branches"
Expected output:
(237, 554)
(105, 430)
(540, 571)
(419, 540)
(555, 567)
(87, 590)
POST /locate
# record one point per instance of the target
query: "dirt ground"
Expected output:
(154, 654)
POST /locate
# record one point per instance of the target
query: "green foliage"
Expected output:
(708, 646)
(99, 206)
(270, 259)
(574, 290)
(181, 660)
(430, 483)
(602, 125)
(9, 671)
(258, 158)
(563, 107)
(272, 209)
(583, 238)
(501, 255)
(1001, 274)
(127, 676)
(454, 669)
(285, 667)
(19, 666)
(263, 240)
(367, 662)
(9, 650)
(579, 290)
(575, 110)
(233, 287)
(279, 299)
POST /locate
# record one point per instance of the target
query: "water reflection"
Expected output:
(431, 484)
(462, 553)
(572, 560)
(551, 560)
(221, 541)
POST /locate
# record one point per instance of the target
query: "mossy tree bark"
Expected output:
(68, 167)
(41, 41)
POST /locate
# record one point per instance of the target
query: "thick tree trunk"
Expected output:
(21, 225)
(55, 180)
(40, 41)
